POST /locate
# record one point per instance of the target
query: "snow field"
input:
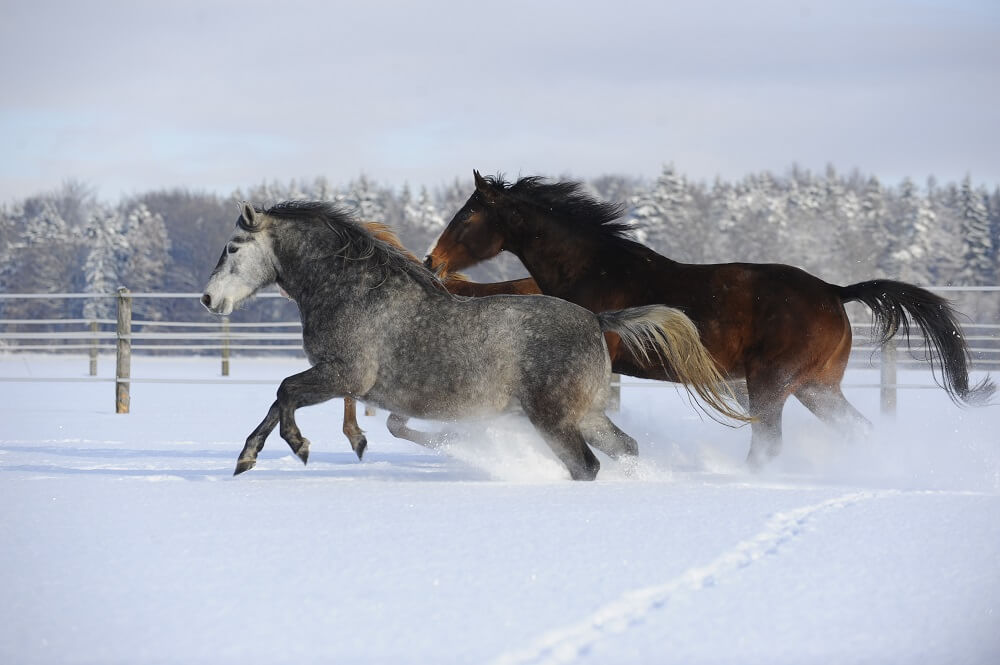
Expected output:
(126, 539)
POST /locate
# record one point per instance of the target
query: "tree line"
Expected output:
(842, 227)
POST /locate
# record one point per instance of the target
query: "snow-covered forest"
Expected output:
(843, 227)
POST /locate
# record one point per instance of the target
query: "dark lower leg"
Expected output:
(765, 438)
(569, 446)
(739, 388)
(829, 405)
(248, 457)
(600, 432)
(767, 390)
(351, 428)
(396, 424)
(317, 384)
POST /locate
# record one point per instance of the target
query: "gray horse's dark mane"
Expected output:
(356, 243)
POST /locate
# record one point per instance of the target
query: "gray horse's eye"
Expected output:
(231, 248)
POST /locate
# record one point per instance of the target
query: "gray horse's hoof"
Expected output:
(303, 452)
(244, 465)
(630, 465)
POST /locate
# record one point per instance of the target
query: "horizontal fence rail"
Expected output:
(125, 335)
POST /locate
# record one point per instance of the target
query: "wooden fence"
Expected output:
(224, 337)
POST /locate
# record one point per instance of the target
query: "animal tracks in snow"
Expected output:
(565, 645)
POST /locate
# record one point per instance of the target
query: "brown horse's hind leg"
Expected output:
(829, 405)
(352, 430)
(765, 434)
(739, 388)
(767, 395)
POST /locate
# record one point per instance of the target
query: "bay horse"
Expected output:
(782, 329)
(455, 283)
(382, 329)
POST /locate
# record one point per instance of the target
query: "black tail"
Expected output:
(893, 304)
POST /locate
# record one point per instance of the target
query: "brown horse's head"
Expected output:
(475, 233)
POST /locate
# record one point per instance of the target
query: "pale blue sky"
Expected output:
(130, 96)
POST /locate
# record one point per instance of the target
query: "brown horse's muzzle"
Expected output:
(429, 264)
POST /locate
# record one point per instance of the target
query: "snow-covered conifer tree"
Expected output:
(363, 195)
(807, 239)
(450, 198)
(978, 256)
(422, 223)
(912, 260)
(679, 231)
(424, 215)
(645, 216)
(875, 240)
(148, 250)
(107, 249)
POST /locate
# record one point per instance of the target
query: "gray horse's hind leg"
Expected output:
(568, 444)
(601, 433)
(396, 424)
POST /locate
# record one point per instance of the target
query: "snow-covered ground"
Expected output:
(125, 539)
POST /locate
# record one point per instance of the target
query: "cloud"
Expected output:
(131, 96)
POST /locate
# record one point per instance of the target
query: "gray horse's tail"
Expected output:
(656, 334)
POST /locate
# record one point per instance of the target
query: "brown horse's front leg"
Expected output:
(352, 430)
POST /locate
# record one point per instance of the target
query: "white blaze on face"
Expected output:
(247, 265)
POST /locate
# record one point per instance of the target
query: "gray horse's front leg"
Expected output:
(316, 384)
(248, 457)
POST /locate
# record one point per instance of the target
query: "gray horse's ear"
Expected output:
(486, 191)
(249, 215)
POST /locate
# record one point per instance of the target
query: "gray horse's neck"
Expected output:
(317, 273)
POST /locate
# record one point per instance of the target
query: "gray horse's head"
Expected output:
(248, 263)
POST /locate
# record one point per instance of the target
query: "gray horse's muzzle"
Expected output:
(214, 308)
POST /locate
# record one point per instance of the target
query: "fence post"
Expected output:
(93, 349)
(615, 399)
(888, 378)
(123, 367)
(225, 346)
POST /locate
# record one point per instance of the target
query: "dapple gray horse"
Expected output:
(381, 329)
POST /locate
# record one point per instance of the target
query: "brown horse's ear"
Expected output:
(485, 189)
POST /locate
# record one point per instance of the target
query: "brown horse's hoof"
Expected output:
(244, 465)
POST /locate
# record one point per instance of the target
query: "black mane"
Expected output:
(357, 242)
(567, 200)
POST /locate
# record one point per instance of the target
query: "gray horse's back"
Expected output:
(564, 357)
(471, 358)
